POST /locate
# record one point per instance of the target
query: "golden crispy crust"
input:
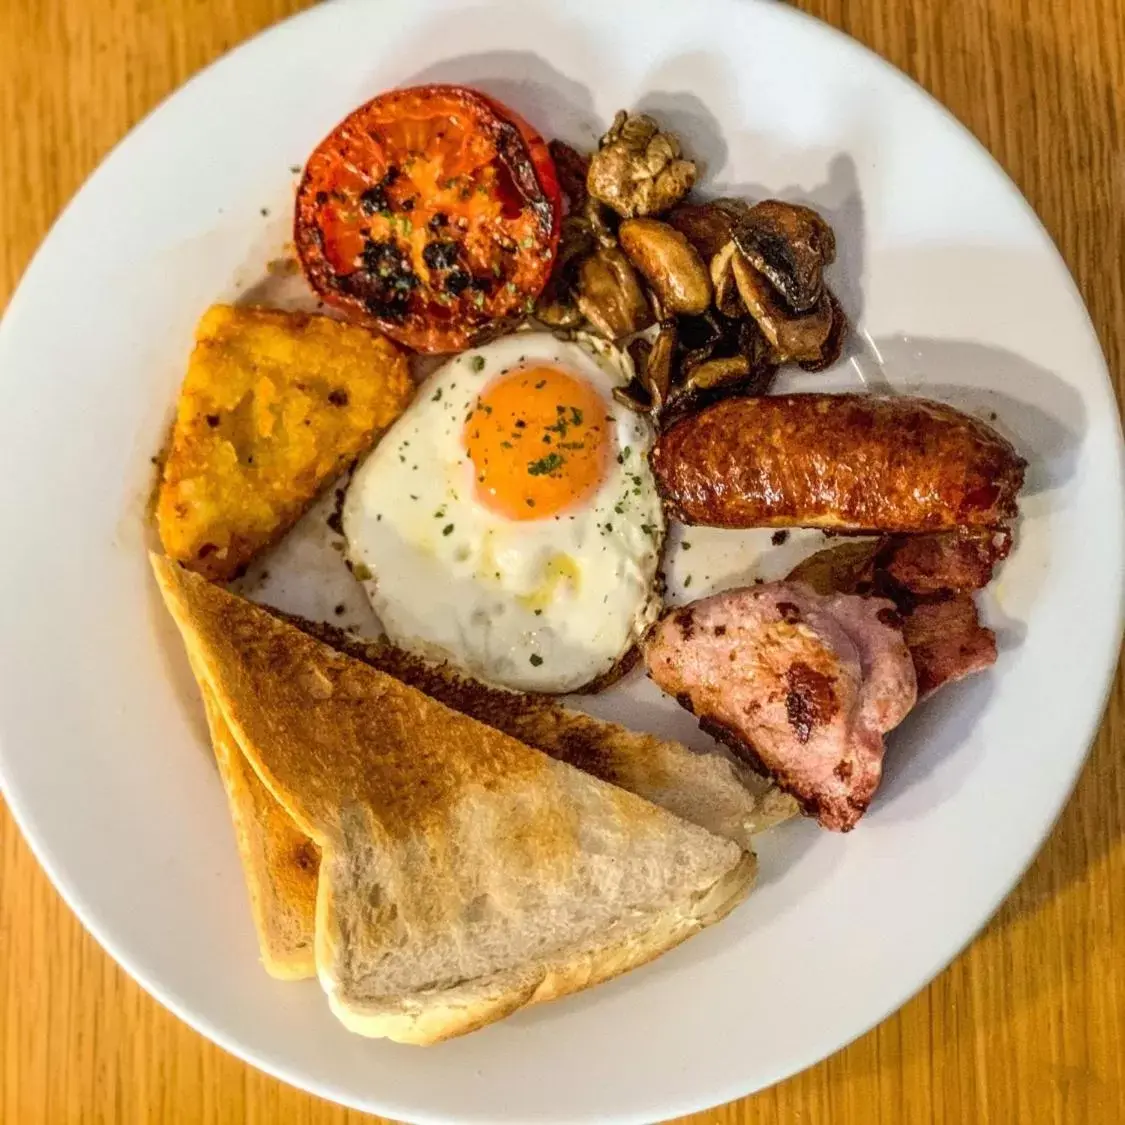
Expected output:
(658, 770)
(279, 861)
(848, 462)
(274, 406)
(603, 749)
(321, 713)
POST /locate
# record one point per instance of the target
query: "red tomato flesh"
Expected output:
(432, 211)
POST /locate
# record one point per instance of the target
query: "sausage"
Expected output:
(844, 462)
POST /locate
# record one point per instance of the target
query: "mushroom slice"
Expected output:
(634, 396)
(789, 245)
(610, 296)
(556, 306)
(639, 349)
(708, 226)
(601, 220)
(638, 169)
(572, 168)
(669, 264)
(717, 372)
(727, 298)
(759, 353)
(709, 382)
(699, 336)
(559, 312)
(796, 338)
(657, 373)
(833, 346)
(576, 241)
(652, 358)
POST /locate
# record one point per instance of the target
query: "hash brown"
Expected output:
(273, 407)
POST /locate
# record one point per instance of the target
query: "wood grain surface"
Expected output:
(1028, 1026)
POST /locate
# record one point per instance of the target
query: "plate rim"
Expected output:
(73, 896)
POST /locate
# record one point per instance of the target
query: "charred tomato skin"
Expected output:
(432, 212)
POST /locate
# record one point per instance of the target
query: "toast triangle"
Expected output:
(280, 862)
(463, 874)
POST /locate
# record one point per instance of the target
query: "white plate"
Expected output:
(957, 290)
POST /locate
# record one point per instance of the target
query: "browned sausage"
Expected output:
(848, 462)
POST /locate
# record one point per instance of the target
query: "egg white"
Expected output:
(540, 605)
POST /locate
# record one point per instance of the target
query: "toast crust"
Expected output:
(279, 861)
(463, 874)
(707, 789)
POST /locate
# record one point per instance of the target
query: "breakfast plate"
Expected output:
(954, 292)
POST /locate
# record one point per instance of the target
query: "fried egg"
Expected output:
(508, 521)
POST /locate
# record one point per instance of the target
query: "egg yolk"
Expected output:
(539, 440)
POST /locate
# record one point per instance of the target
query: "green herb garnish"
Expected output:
(546, 465)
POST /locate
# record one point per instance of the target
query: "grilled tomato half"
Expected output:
(432, 211)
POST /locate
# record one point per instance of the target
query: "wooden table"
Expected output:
(1029, 1025)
